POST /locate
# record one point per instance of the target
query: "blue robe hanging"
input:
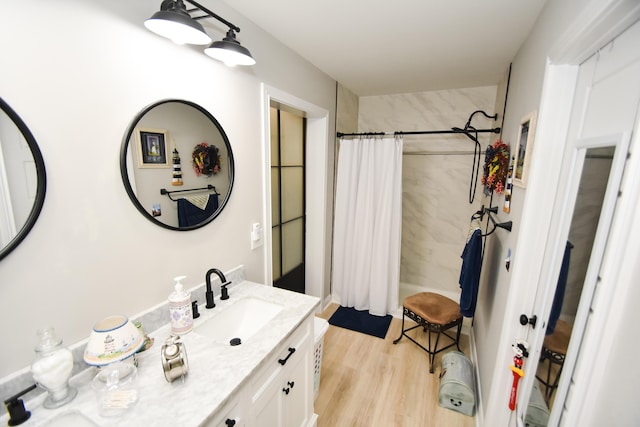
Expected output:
(561, 287)
(470, 274)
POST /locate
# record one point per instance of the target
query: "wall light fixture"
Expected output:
(176, 23)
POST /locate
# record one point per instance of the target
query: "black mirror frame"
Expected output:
(41, 180)
(125, 175)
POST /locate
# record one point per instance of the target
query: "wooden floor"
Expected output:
(367, 381)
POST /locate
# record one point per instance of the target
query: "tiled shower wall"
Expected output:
(436, 178)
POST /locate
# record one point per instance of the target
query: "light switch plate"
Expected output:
(256, 235)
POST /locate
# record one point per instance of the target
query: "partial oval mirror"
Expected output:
(177, 165)
(23, 180)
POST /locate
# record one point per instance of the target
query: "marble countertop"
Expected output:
(216, 371)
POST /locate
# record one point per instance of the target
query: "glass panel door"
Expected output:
(288, 198)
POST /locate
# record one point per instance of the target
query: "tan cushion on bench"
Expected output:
(434, 308)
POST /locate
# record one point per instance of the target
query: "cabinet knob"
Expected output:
(286, 390)
(230, 422)
(291, 384)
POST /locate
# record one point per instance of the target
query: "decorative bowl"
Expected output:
(112, 339)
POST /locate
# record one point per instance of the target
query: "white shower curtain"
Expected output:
(367, 224)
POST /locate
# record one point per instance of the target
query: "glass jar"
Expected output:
(52, 369)
(115, 388)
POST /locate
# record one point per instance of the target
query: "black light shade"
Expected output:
(230, 51)
(174, 22)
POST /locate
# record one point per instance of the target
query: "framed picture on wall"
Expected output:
(522, 152)
(152, 148)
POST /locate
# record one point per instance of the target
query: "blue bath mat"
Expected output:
(361, 321)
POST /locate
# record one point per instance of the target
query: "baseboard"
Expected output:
(325, 303)
(474, 360)
(313, 422)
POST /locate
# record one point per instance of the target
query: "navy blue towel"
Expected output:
(189, 214)
(470, 274)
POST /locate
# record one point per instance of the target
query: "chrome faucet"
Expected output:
(209, 292)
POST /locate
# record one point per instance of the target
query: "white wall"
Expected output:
(347, 114)
(77, 73)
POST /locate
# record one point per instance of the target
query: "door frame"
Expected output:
(599, 23)
(290, 280)
(316, 193)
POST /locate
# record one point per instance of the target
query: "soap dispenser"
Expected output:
(180, 309)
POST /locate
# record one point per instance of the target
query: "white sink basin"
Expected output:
(71, 419)
(241, 319)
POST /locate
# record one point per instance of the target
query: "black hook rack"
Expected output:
(164, 191)
(489, 211)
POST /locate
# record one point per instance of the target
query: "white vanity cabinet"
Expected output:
(240, 386)
(282, 390)
(233, 414)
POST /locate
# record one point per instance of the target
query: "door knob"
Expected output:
(524, 320)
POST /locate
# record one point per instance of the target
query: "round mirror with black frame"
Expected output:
(177, 165)
(23, 180)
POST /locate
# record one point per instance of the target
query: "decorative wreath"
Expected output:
(496, 166)
(206, 159)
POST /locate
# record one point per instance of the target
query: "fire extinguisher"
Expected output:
(520, 348)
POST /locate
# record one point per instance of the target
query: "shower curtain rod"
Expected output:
(466, 130)
(419, 132)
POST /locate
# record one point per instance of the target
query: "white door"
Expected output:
(603, 119)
